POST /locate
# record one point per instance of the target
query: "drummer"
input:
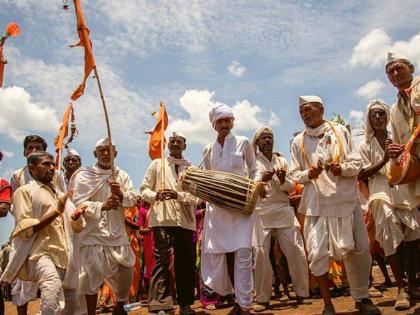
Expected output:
(405, 117)
(224, 231)
(172, 219)
(277, 216)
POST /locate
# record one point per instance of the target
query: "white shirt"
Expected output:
(90, 187)
(328, 195)
(226, 231)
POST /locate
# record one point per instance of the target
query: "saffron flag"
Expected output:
(12, 30)
(62, 134)
(157, 135)
(84, 41)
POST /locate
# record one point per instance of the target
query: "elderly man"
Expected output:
(105, 253)
(71, 163)
(225, 231)
(405, 118)
(43, 239)
(25, 291)
(172, 220)
(324, 162)
(392, 207)
(275, 215)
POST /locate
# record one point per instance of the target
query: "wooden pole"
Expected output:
(162, 147)
(108, 127)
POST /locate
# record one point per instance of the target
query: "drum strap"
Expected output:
(207, 152)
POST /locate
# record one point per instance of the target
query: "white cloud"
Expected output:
(18, 114)
(8, 154)
(235, 68)
(198, 103)
(356, 114)
(372, 49)
(371, 89)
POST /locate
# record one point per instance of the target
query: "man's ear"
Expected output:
(115, 154)
(94, 154)
(184, 146)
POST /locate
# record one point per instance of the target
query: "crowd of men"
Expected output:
(70, 235)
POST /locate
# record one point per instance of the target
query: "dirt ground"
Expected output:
(343, 305)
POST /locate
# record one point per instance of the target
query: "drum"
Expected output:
(406, 169)
(226, 190)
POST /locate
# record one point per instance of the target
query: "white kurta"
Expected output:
(321, 196)
(392, 207)
(403, 123)
(172, 212)
(226, 231)
(105, 252)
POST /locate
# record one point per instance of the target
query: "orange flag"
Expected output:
(62, 134)
(84, 41)
(157, 135)
(12, 30)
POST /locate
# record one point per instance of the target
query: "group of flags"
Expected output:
(156, 142)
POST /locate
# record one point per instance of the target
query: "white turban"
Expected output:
(178, 134)
(376, 103)
(258, 133)
(394, 57)
(72, 152)
(305, 99)
(219, 112)
(103, 142)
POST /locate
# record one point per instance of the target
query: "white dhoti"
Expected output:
(23, 291)
(113, 264)
(291, 243)
(340, 238)
(393, 226)
(215, 275)
(49, 279)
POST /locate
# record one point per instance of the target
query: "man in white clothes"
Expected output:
(323, 161)
(225, 231)
(25, 291)
(275, 215)
(405, 118)
(44, 251)
(104, 249)
(393, 209)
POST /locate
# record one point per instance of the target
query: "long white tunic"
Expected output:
(226, 231)
(275, 212)
(404, 121)
(328, 195)
(90, 187)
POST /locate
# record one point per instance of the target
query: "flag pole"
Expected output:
(108, 127)
(162, 149)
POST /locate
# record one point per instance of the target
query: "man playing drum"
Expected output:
(391, 206)
(225, 231)
(405, 117)
(172, 219)
(275, 215)
(324, 162)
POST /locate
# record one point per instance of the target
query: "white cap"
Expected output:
(72, 152)
(305, 99)
(178, 134)
(394, 57)
(103, 142)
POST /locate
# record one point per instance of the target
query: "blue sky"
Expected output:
(257, 56)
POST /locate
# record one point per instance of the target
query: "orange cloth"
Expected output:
(62, 134)
(84, 41)
(156, 136)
